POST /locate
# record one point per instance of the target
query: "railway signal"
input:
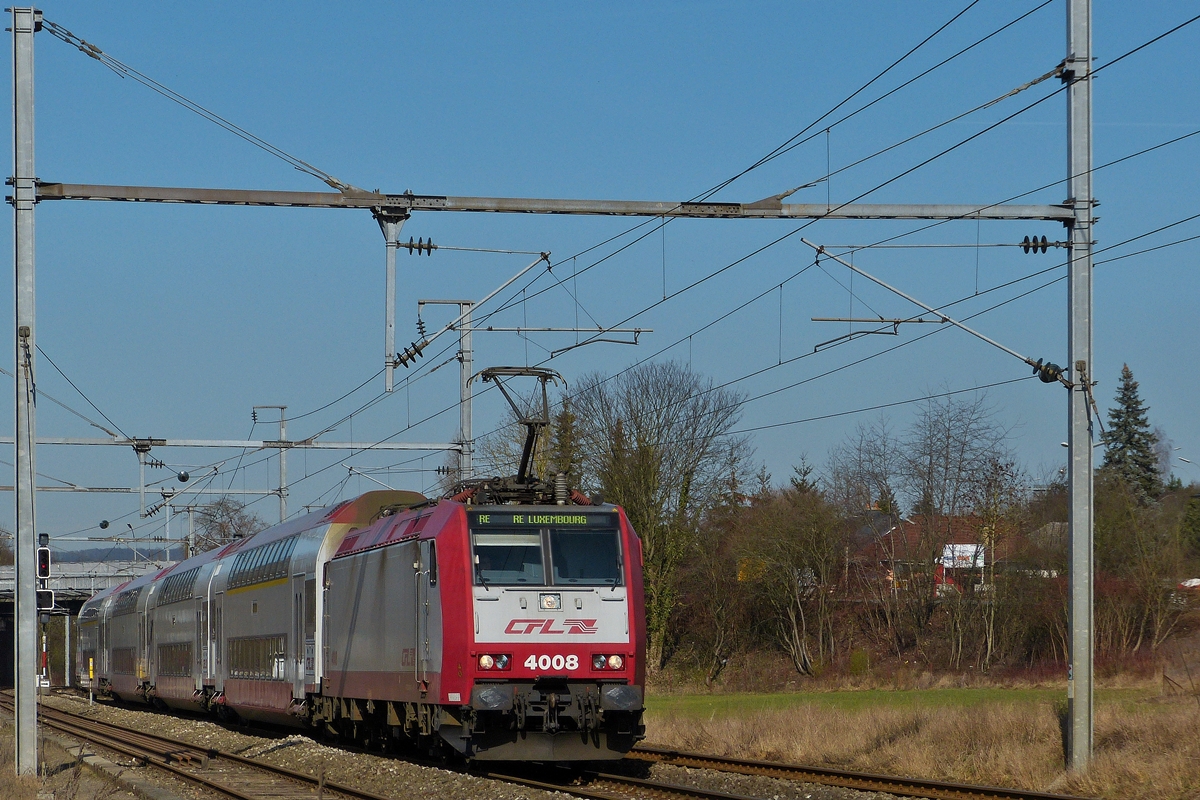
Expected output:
(43, 562)
(45, 599)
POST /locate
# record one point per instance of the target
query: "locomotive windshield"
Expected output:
(585, 557)
(523, 549)
(509, 558)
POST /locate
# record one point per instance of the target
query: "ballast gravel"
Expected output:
(392, 776)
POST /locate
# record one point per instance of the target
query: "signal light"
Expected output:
(43, 562)
(45, 600)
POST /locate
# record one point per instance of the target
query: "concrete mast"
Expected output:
(1077, 74)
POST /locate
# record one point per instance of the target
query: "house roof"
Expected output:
(924, 537)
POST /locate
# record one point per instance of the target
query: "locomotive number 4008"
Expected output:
(545, 662)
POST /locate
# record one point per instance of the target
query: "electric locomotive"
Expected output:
(504, 622)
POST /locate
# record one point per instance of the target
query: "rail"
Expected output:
(829, 776)
(229, 774)
(248, 779)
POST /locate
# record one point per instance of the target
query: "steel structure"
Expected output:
(391, 210)
(25, 21)
(466, 360)
(1078, 76)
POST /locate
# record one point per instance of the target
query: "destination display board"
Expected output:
(542, 519)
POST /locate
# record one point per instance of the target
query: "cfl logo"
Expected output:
(528, 627)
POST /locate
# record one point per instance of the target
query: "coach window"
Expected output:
(508, 557)
(585, 557)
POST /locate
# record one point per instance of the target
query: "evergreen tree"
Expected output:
(1129, 443)
(565, 455)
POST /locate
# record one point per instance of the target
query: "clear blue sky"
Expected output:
(175, 320)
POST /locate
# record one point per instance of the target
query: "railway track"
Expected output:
(248, 779)
(229, 774)
(601, 786)
(827, 776)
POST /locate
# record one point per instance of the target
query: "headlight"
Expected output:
(598, 661)
(502, 662)
(486, 662)
(550, 601)
(615, 662)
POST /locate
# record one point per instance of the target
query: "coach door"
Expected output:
(426, 569)
(201, 641)
(298, 635)
(214, 639)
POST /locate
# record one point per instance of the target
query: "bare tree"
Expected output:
(799, 538)
(1141, 554)
(655, 439)
(863, 471)
(947, 452)
(999, 499)
(221, 521)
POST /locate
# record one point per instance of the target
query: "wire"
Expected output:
(880, 406)
(788, 144)
(1144, 45)
(783, 148)
(334, 402)
(66, 407)
(798, 229)
(792, 143)
(644, 223)
(81, 394)
(125, 71)
(41, 474)
(902, 344)
(1057, 71)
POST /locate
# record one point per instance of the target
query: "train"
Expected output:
(511, 632)
(502, 622)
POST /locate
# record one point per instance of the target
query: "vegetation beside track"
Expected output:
(1147, 745)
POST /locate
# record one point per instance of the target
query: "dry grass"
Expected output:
(11, 786)
(68, 778)
(1146, 750)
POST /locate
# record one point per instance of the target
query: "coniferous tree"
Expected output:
(1129, 442)
(565, 455)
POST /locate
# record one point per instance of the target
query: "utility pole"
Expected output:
(390, 223)
(25, 22)
(466, 359)
(466, 364)
(1077, 74)
(282, 464)
(283, 444)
